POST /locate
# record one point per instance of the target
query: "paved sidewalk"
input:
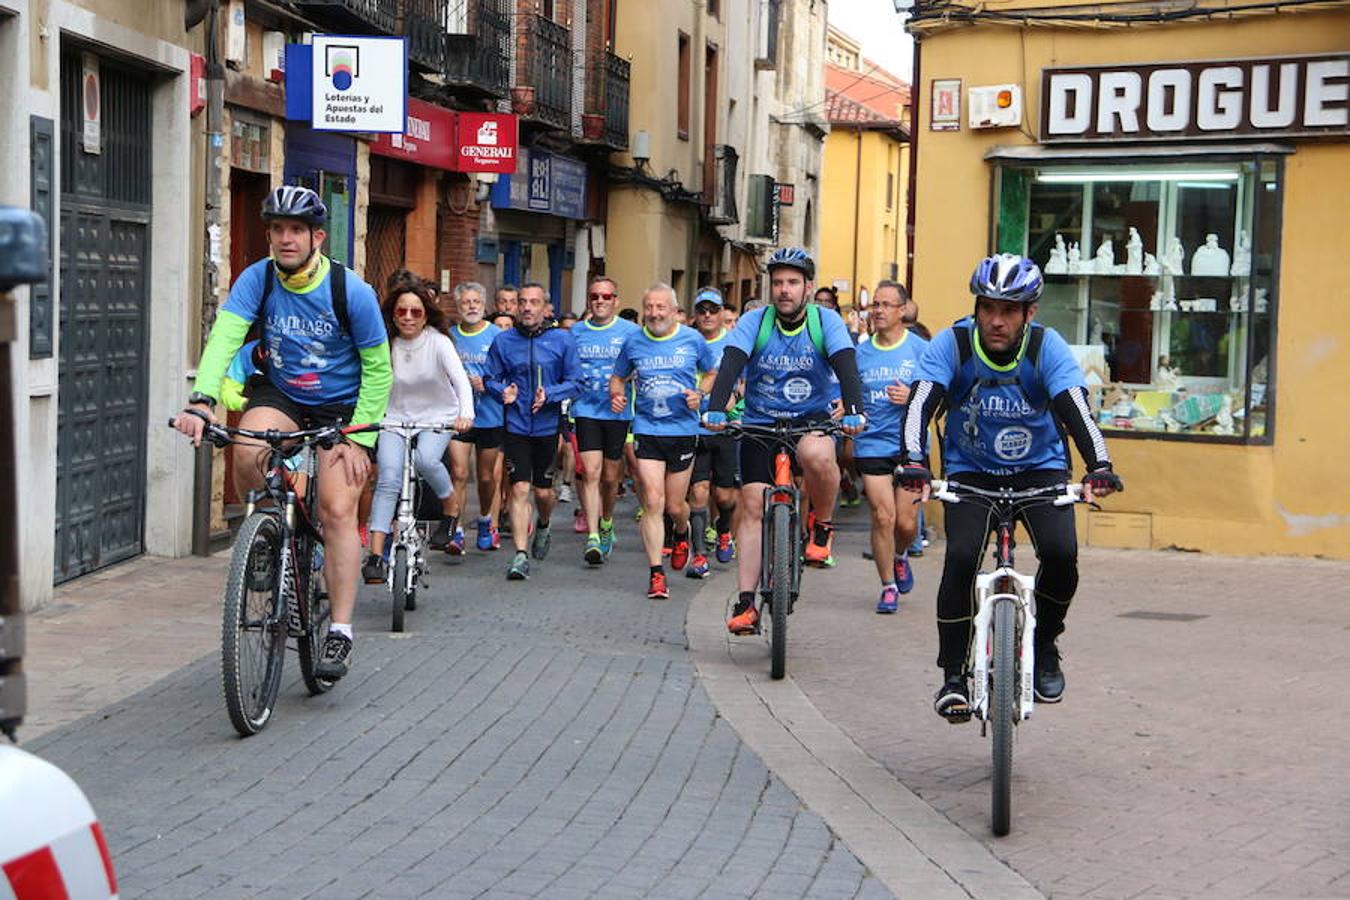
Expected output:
(1200, 751)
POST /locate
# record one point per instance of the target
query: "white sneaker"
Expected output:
(565, 493)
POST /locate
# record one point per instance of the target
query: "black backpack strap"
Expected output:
(269, 282)
(337, 285)
(964, 348)
(1034, 341)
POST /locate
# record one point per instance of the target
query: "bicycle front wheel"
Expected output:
(253, 634)
(400, 586)
(780, 588)
(315, 613)
(1003, 709)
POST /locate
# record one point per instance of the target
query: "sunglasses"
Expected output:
(409, 312)
(599, 295)
(707, 310)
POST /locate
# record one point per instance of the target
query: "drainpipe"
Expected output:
(215, 140)
(913, 169)
(857, 217)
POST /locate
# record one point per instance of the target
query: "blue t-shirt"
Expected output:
(311, 359)
(788, 378)
(716, 345)
(666, 368)
(879, 368)
(598, 347)
(473, 351)
(1000, 421)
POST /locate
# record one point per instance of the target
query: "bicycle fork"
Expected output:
(1003, 585)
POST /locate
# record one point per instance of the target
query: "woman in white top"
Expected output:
(430, 386)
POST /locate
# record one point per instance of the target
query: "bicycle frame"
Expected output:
(783, 491)
(406, 533)
(279, 486)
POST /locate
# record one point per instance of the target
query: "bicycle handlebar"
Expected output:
(1065, 494)
(220, 435)
(783, 428)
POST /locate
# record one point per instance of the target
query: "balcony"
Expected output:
(606, 120)
(722, 187)
(354, 16)
(480, 61)
(422, 22)
(543, 89)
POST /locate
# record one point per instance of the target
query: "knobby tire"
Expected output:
(252, 657)
(780, 589)
(400, 586)
(1003, 709)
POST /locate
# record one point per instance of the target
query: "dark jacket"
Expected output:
(527, 360)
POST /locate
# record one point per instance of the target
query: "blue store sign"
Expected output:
(544, 183)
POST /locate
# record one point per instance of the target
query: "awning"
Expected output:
(1039, 153)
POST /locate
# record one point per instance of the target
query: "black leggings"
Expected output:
(968, 527)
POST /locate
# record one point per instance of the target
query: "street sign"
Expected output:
(92, 105)
(359, 83)
(787, 193)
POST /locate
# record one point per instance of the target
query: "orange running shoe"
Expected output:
(679, 556)
(657, 588)
(744, 619)
(818, 549)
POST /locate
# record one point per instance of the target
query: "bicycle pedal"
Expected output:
(957, 715)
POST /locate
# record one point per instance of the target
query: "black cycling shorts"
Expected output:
(757, 455)
(530, 458)
(716, 460)
(263, 394)
(605, 435)
(483, 438)
(675, 450)
(876, 465)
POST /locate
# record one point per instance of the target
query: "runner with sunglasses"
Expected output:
(600, 430)
(715, 459)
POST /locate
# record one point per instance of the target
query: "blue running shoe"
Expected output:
(890, 600)
(904, 575)
(698, 567)
(606, 536)
(726, 548)
(485, 533)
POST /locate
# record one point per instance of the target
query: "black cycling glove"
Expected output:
(913, 477)
(1101, 480)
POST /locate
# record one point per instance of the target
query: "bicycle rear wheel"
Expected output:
(252, 636)
(780, 589)
(400, 586)
(1002, 710)
(315, 613)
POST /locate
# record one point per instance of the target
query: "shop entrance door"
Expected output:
(102, 367)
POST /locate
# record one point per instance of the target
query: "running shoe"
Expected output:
(679, 555)
(363, 532)
(440, 538)
(565, 493)
(657, 589)
(698, 567)
(818, 550)
(337, 653)
(496, 540)
(952, 700)
(904, 575)
(744, 618)
(520, 567)
(578, 521)
(456, 546)
(710, 534)
(1049, 675)
(543, 539)
(890, 599)
(607, 537)
(594, 555)
(726, 547)
(485, 531)
(637, 516)
(374, 570)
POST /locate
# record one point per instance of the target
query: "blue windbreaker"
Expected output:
(547, 358)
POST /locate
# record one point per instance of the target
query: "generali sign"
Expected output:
(456, 141)
(486, 143)
(1248, 98)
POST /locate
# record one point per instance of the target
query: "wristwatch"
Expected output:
(199, 397)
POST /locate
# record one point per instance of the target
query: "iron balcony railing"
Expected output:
(481, 59)
(617, 71)
(361, 16)
(543, 92)
(423, 24)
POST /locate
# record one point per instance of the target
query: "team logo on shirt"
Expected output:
(796, 389)
(1013, 443)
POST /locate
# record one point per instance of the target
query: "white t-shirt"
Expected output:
(430, 384)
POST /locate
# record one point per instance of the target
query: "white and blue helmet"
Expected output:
(1007, 276)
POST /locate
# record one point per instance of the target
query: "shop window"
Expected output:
(1162, 279)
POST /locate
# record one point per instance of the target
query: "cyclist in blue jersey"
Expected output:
(664, 360)
(1012, 388)
(326, 361)
(787, 352)
(601, 432)
(715, 463)
(473, 336)
(531, 370)
(887, 362)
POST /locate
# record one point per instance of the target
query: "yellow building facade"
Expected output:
(1184, 185)
(863, 207)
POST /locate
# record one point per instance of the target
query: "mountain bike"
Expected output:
(408, 540)
(780, 573)
(275, 588)
(1002, 652)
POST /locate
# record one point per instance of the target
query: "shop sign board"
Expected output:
(359, 83)
(1295, 96)
(486, 142)
(544, 183)
(428, 138)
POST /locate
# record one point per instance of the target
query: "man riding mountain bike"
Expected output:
(326, 362)
(1011, 387)
(787, 352)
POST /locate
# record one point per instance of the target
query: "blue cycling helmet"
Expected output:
(1007, 276)
(793, 258)
(291, 201)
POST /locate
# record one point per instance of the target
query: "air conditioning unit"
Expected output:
(996, 106)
